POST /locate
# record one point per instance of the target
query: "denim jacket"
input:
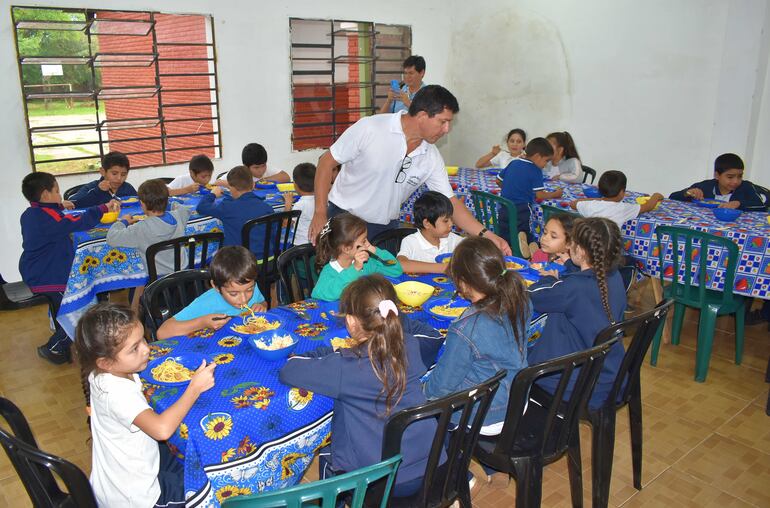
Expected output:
(477, 346)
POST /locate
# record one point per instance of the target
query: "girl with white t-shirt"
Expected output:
(129, 468)
(565, 164)
(499, 158)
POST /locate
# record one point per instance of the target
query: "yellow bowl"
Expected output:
(413, 293)
(286, 187)
(109, 217)
(452, 170)
(643, 199)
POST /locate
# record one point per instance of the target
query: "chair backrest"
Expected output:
(447, 479)
(220, 175)
(298, 265)
(166, 179)
(188, 244)
(555, 424)
(644, 326)
(549, 211)
(486, 209)
(390, 240)
(170, 294)
(72, 191)
(279, 230)
(695, 245)
(588, 171)
(35, 467)
(355, 483)
(764, 192)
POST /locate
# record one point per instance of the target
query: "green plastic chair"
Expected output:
(325, 491)
(486, 207)
(549, 211)
(710, 302)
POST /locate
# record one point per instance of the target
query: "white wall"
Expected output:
(656, 89)
(252, 41)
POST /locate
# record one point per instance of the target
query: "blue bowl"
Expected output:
(273, 355)
(726, 214)
(591, 192)
(707, 203)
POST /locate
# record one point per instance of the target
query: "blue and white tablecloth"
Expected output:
(98, 268)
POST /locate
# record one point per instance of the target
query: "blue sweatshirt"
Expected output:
(48, 250)
(91, 195)
(750, 198)
(575, 318)
(234, 213)
(359, 420)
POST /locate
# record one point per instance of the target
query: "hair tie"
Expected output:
(326, 229)
(385, 306)
(502, 274)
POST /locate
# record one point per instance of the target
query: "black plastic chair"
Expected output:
(538, 433)
(17, 295)
(279, 231)
(390, 240)
(294, 265)
(170, 294)
(166, 179)
(188, 244)
(445, 483)
(587, 170)
(71, 191)
(35, 467)
(626, 390)
(220, 175)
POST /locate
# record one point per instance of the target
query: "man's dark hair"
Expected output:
(240, 178)
(154, 195)
(612, 183)
(233, 264)
(432, 206)
(304, 176)
(727, 161)
(113, 159)
(201, 164)
(34, 184)
(253, 154)
(539, 146)
(433, 99)
(415, 61)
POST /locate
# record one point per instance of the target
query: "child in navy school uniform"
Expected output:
(371, 381)
(727, 186)
(522, 182)
(238, 208)
(111, 185)
(48, 250)
(582, 303)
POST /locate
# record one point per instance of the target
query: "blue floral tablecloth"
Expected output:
(98, 268)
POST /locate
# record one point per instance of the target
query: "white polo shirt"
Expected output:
(371, 152)
(125, 460)
(614, 211)
(416, 248)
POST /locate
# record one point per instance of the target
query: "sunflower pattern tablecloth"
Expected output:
(98, 268)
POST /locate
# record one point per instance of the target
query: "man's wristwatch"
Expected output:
(483, 230)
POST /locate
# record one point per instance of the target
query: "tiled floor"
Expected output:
(705, 444)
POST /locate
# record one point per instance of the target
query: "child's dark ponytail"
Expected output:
(340, 231)
(372, 301)
(601, 242)
(477, 264)
(99, 334)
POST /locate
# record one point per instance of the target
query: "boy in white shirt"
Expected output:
(201, 168)
(433, 217)
(612, 186)
(304, 182)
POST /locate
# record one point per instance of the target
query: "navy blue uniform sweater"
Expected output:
(357, 424)
(91, 195)
(575, 318)
(48, 251)
(234, 213)
(751, 199)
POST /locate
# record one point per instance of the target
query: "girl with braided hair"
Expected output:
(582, 303)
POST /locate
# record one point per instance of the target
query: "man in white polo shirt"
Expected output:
(385, 158)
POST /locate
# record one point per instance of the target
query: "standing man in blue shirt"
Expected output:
(414, 71)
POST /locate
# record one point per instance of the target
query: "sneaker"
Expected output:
(54, 356)
(523, 245)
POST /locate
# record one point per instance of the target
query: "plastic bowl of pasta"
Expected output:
(452, 170)
(413, 293)
(274, 345)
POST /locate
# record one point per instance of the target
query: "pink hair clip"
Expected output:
(386, 306)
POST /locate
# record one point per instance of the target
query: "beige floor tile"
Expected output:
(733, 467)
(674, 488)
(750, 427)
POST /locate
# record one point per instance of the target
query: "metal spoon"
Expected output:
(386, 262)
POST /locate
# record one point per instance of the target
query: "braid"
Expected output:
(598, 254)
(600, 240)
